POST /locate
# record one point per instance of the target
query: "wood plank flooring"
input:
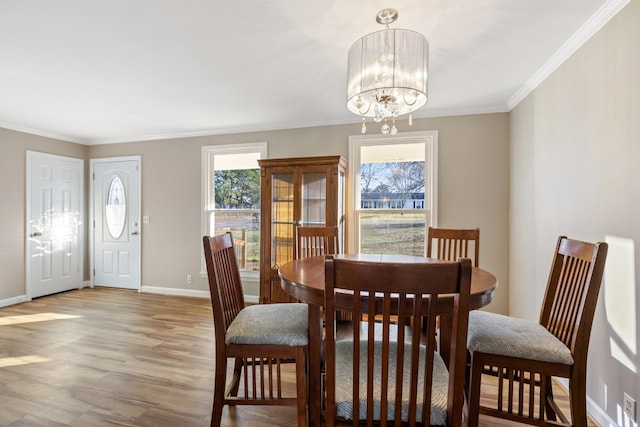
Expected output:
(111, 357)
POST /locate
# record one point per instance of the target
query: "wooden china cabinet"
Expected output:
(306, 191)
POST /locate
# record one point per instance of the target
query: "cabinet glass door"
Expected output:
(314, 199)
(282, 219)
(298, 191)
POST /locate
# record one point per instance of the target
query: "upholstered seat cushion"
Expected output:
(509, 336)
(284, 324)
(344, 383)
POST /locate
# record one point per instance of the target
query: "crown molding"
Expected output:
(429, 113)
(426, 114)
(579, 38)
(40, 132)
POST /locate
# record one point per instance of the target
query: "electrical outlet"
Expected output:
(188, 279)
(629, 407)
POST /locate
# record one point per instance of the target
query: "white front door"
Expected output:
(54, 223)
(116, 221)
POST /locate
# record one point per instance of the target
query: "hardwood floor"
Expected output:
(110, 357)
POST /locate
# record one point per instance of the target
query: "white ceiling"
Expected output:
(97, 71)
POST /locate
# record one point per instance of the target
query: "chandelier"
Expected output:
(387, 74)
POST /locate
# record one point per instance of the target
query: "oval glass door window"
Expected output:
(115, 210)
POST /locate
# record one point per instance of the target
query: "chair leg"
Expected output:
(301, 385)
(219, 385)
(474, 391)
(578, 398)
(467, 376)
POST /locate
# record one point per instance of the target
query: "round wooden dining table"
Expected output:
(304, 280)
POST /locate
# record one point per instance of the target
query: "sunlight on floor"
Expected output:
(38, 317)
(21, 360)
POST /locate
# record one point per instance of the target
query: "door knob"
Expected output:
(134, 233)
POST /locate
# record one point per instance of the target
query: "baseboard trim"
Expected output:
(15, 300)
(253, 299)
(598, 415)
(174, 291)
(595, 412)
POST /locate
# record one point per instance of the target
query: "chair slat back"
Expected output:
(316, 241)
(572, 291)
(225, 286)
(398, 295)
(451, 244)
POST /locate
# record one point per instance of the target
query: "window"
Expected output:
(231, 193)
(115, 209)
(393, 192)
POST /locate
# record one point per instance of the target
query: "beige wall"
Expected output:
(575, 150)
(473, 189)
(473, 192)
(13, 160)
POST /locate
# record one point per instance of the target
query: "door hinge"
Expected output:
(94, 272)
(94, 176)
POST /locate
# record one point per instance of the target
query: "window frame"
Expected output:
(208, 154)
(353, 202)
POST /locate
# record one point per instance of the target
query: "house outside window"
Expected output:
(393, 192)
(231, 199)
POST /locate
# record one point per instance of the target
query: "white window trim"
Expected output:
(208, 201)
(429, 138)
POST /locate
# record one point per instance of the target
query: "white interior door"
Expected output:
(116, 215)
(54, 223)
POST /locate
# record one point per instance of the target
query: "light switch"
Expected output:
(145, 219)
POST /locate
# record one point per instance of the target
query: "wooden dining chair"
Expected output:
(526, 355)
(316, 241)
(386, 371)
(260, 337)
(450, 244)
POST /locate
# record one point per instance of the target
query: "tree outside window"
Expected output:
(233, 198)
(393, 182)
